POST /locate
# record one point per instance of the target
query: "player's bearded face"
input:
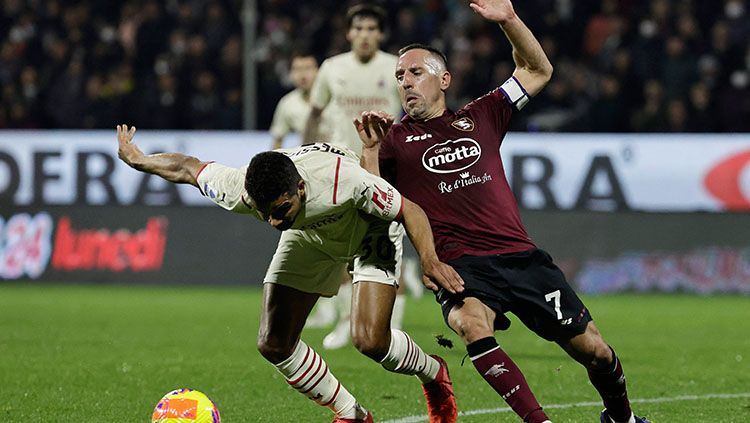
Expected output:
(365, 36)
(418, 85)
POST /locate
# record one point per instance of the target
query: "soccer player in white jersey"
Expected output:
(290, 116)
(353, 82)
(294, 108)
(330, 211)
(347, 85)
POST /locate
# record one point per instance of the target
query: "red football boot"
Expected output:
(441, 402)
(367, 419)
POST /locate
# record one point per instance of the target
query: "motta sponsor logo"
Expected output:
(452, 156)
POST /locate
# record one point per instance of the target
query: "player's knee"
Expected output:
(469, 327)
(601, 354)
(273, 350)
(370, 343)
(593, 351)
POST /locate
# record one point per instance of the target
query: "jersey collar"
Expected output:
(447, 114)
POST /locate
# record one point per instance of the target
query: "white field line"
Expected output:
(416, 419)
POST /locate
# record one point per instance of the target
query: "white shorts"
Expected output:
(302, 265)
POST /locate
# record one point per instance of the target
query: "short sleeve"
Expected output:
(320, 94)
(225, 186)
(374, 196)
(280, 123)
(495, 108)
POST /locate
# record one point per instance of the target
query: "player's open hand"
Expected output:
(500, 11)
(127, 151)
(373, 127)
(440, 275)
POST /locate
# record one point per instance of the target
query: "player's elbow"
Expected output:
(534, 80)
(548, 70)
(544, 72)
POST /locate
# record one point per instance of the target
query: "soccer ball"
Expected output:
(185, 406)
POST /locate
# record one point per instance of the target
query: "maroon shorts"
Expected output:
(527, 284)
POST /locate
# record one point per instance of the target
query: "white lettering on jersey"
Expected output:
(422, 137)
(466, 179)
(452, 156)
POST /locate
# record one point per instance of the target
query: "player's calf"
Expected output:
(307, 372)
(500, 372)
(371, 342)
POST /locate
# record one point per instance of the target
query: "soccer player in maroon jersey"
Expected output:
(449, 163)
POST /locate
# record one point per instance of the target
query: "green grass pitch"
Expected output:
(107, 354)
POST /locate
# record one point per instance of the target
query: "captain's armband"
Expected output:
(515, 93)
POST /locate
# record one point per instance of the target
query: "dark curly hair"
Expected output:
(366, 10)
(270, 175)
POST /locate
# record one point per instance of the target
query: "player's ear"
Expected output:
(301, 187)
(445, 80)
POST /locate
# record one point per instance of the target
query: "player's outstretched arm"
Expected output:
(436, 273)
(174, 167)
(372, 130)
(533, 69)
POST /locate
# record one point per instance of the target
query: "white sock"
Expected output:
(399, 306)
(405, 356)
(308, 373)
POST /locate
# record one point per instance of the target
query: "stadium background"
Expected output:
(622, 205)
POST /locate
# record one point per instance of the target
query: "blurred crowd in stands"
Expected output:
(620, 65)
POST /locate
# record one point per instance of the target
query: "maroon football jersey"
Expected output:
(451, 167)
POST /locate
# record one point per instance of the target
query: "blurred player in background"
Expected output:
(291, 115)
(449, 163)
(293, 109)
(330, 211)
(347, 85)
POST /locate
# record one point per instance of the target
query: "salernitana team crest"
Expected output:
(463, 124)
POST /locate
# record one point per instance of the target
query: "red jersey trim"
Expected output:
(198, 175)
(400, 215)
(336, 179)
(201, 170)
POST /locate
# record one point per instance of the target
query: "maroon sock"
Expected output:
(506, 378)
(610, 382)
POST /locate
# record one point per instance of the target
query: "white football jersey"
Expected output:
(341, 198)
(291, 115)
(350, 87)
